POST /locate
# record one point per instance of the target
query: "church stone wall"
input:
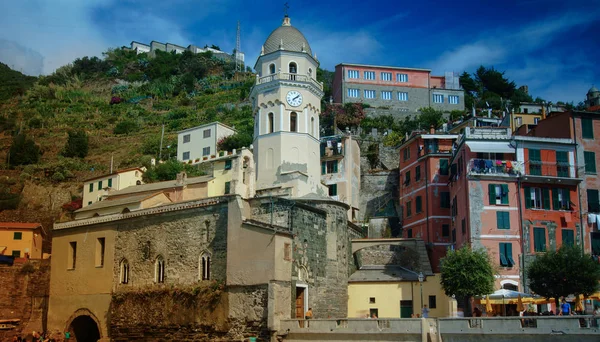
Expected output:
(181, 238)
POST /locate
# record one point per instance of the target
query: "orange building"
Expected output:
(21, 240)
(549, 195)
(583, 128)
(424, 193)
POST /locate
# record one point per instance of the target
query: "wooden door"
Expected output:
(300, 303)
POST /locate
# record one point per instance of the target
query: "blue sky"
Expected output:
(552, 46)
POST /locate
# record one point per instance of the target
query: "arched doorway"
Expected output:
(84, 326)
(85, 329)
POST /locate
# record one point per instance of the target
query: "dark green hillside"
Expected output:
(13, 83)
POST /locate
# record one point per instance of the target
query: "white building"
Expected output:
(196, 143)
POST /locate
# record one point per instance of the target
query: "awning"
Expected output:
(490, 146)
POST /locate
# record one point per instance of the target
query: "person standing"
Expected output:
(565, 309)
(425, 311)
(308, 314)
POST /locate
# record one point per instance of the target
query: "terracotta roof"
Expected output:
(160, 186)
(115, 173)
(20, 225)
(117, 202)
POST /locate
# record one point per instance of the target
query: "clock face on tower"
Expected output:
(294, 98)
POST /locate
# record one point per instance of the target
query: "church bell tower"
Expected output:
(286, 100)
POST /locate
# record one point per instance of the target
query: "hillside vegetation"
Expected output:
(115, 107)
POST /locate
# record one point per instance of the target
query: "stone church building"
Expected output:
(224, 267)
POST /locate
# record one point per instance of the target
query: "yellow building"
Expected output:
(95, 189)
(395, 292)
(21, 240)
(232, 173)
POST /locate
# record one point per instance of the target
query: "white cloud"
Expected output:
(519, 48)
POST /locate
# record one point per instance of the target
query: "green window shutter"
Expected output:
(546, 198)
(534, 155)
(508, 254)
(91, 187)
(227, 187)
(100, 185)
(568, 237)
(555, 203)
(587, 128)
(503, 261)
(539, 237)
(110, 182)
(504, 193)
(335, 166)
(444, 167)
(492, 193)
(323, 167)
(590, 161)
(503, 219)
(562, 157)
(527, 191)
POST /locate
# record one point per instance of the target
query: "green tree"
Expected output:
(23, 151)
(430, 117)
(467, 272)
(235, 141)
(126, 127)
(169, 170)
(77, 145)
(556, 274)
(346, 115)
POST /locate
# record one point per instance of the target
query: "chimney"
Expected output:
(543, 111)
(432, 130)
(181, 178)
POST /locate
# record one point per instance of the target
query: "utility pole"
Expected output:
(162, 135)
(238, 64)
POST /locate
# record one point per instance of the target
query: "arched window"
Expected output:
(272, 68)
(270, 123)
(204, 267)
(125, 211)
(293, 122)
(159, 269)
(310, 72)
(312, 126)
(293, 69)
(124, 272)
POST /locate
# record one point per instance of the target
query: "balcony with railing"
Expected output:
(540, 171)
(332, 148)
(490, 167)
(284, 76)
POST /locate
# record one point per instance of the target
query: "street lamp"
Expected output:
(421, 278)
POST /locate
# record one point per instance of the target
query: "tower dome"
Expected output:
(593, 90)
(288, 38)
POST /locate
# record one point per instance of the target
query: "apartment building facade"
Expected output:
(340, 170)
(485, 199)
(402, 90)
(549, 196)
(201, 142)
(583, 128)
(424, 192)
(96, 188)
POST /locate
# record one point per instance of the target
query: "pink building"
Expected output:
(485, 199)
